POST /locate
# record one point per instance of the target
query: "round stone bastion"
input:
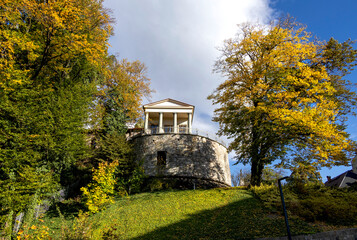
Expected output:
(192, 160)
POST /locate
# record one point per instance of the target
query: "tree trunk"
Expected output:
(256, 172)
(256, 159)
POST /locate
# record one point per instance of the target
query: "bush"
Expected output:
(269, 195)
(156, 184)
(334, 206)
(34, 232)
(312, 202)
(100, 192)
(128, 182)
(79, 229)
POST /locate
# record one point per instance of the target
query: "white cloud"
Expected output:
(177, 40)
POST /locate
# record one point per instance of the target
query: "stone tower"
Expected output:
(168, 147)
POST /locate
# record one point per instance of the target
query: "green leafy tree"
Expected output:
(283, 93)
(52, 55)
(119, 102)
(271, 175)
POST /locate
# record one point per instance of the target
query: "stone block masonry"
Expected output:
(183, 156)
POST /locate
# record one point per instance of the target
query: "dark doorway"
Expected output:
(161, 158)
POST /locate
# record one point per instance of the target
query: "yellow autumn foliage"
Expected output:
(100, 191)
(49, 33)
(278, 95)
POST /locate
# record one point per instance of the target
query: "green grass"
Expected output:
(192, 214)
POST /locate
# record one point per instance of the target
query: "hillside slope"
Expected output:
(192, 214)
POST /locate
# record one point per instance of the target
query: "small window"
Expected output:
(161, 158)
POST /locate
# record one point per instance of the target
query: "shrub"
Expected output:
(34, 232)
(313, 202)
(269, 195)
(111, 233)
(334, 206)
(79, 229)
(100, 192)
(128, 182)
(156, 184)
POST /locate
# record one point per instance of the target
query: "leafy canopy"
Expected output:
(284, 93)
(51, 53)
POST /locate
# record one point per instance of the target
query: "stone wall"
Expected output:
(186, 155)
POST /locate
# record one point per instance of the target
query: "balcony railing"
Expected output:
(169, 129)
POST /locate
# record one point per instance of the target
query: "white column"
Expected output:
(189, 123)
(175, 123)
(161, 119)
(146, 124)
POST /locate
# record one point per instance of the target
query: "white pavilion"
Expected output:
(168, 116)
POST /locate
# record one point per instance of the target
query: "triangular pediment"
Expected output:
(168, 103)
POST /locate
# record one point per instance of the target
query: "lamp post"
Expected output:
(284, 208)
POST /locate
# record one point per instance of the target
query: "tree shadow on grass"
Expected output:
(68, 208)
(243, 219)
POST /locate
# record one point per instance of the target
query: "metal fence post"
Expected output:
(284, 208)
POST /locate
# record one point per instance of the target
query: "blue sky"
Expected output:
(178, 40)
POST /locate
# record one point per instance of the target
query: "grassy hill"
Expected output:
(230, 213)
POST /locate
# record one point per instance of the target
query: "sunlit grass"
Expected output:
(192, 214)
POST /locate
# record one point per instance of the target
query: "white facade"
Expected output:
(168, 116)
